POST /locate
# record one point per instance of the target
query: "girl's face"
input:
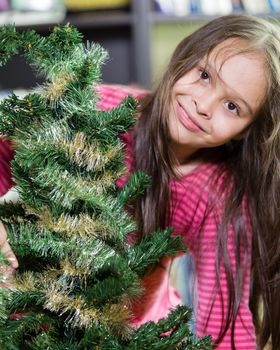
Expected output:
(217, 100)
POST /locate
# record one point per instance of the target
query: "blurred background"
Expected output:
(139, 35)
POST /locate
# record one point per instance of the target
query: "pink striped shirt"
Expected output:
(198, 225)
(196, 221)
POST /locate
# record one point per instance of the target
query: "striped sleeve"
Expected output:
(112, 95)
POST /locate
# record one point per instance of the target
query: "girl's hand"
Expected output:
(7, 271)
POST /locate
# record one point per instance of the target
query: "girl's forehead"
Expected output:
(230, 48)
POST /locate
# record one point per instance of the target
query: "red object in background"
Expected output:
(16, 316)
(44, 327)
(6, 155)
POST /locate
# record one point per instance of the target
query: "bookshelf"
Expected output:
(139, 40)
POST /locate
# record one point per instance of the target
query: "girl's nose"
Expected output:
(205, 105)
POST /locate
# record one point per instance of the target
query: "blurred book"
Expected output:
(173, 7)
(195, 6)
(274, 5)
(163, 6)
(181, 7)
(216, 7)
(256, 6)
(237, 5)
(84, 5)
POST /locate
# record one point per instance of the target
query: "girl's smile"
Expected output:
(187, 119)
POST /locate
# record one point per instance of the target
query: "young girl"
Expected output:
(209, 138)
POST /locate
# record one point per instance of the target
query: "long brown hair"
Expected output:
(252, 164)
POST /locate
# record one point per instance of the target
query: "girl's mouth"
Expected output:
(187, 120)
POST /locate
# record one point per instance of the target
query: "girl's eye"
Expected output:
(232, 107)
(204, 75)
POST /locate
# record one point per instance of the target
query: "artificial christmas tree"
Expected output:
(78, 274)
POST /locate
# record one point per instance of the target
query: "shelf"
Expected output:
(157, 17)
(112, 18)
(45, 20)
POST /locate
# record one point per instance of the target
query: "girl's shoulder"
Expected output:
(111, 95)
